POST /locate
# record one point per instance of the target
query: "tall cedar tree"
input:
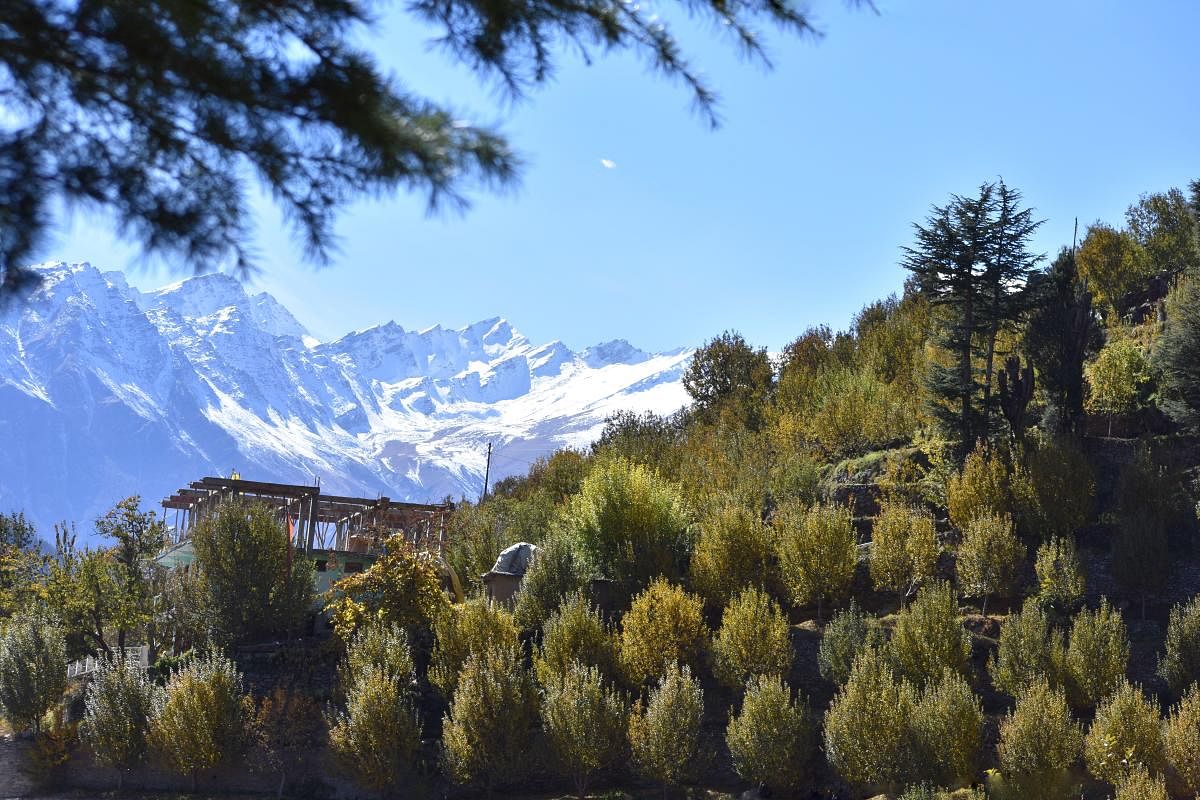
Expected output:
(1062, 332)
(971, 261)
(159, 112)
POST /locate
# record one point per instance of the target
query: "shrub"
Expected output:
(947, 725)
(904, 548)
(485, 734)
(818, 552)
(629, 524)
(118, 707)
(1140, 561)
(198, 722)
(33, 670)
(752, 640)
(463, 630)
(664, 735)
(926, 792)
(1030, 651)
(376, 738)
(848, 633)
(402, 586)
(989, 558)
(1097, 655)
(980, 489)
(664, 625)
(1181, 739)
(585, 722)
(866, 726)
(1179, 665)
(1119, 379)
(733, 550)
(575, 632)
(1054, 490)
(928, 637)
(771, 739)
(476, 535)
(553, 574)
(255, 589)
(286, 726)
(1126, 733)
(1141, 785)
(382, 646)
(1039, 741)
(1059, 576)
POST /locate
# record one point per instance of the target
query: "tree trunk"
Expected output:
(282, 783)
(121, 641)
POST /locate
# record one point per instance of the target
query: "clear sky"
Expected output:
(793, 212)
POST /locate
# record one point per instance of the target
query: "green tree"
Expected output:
(1030, 651)
(554, 573)
(989, 558)
(84, 589)
(1141, 785)
(728, 378)
(377, 736)
(1177, 356)
(1179, 665)
(1181, 739)
(1113, 263)
(664, 626)
(1126, 734)
(629, 524)
(118, 707)
(771, 738)
(198, 721)
(22, 566)
(380, 645)
(733, 550)
(1054, 490)
(981, 488)
(1059, 576)
(257, 586)
(575, 632)
(904, 547)
(947, 726)
(867, 725)
(137, 538)
(1118, 380)
(285, 727)
(752, 640)
(1167, 229)
(818, 552)
(849, 632)
(33, 669)
(664, 733)
(480, 745)
(929, 638)
(464, 630)
(1097, 655)
(586, 723)
(1039, 742)
(403, 586)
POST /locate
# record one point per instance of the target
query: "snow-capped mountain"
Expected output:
(106, 391)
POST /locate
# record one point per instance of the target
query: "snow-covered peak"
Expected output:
(210, 293)
(617, 351)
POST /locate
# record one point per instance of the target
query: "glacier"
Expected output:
(107, 391)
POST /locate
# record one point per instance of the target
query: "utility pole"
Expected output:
(1074, 237)
(487, 471)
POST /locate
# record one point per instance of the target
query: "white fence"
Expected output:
(139, 656)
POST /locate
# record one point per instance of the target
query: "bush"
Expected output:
(904, 548)
(585, 722)
(485, 734)
(1059, 576)
(849, 633)
(1097, 655)
(928, 637)
(118, 707)
(664, 735)
(1030, 651)
(553, 574)
(1039, 742)
(198, 722)
(574, 633)
(1181, 739)
(286, 726)
(733, 551)
(926, 792)
(403, 586)
(629, 524)
(382, 646)
(33, 670)
(818, 552)
(1140, 561)
(989, 558)
(753, 640)
(1179, 665)
(1141, 785)
(947, 725)
(1054, 490)
(377, 737)
(664, 625)
(771, 739)
(1126, 734)
(867, 724)
(463, 630)
(980, 489)
(475, 535)
(255, 589)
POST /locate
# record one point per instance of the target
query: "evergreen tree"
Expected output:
(1178, 356)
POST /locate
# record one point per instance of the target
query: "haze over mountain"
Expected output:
(106, 391)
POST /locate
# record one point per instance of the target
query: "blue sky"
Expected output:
(792, 213)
